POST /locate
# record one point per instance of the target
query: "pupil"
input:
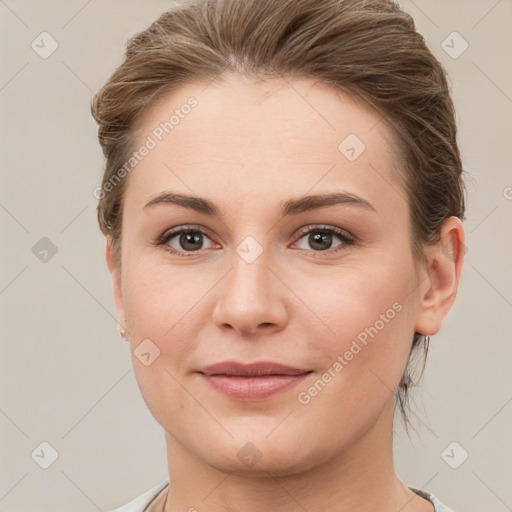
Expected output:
(319, 238)
(191, 238)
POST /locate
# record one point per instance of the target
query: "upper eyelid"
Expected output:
(325, 227)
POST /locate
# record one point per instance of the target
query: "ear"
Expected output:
(115, 274)
(438, 287)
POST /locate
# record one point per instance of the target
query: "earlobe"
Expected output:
(115, 275)
(438, 290)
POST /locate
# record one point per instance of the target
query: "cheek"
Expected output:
(162, 337)
(363, 342)
(359, 368)
(349, 302)
(358, 311)
(360, 301)
(167, 307)
(159, 300)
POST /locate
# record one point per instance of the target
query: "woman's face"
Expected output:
(266, 277)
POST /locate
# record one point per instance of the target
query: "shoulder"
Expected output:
(438, 505)
(140, 503)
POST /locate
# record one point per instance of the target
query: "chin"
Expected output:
(260, 455)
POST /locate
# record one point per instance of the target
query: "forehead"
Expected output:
(262, 140)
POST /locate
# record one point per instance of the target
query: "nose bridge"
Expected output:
(250, 274)
(251, 296)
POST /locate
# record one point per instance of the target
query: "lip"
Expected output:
(255, 381)
(260, 369)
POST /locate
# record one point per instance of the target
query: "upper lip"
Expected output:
(251, 369)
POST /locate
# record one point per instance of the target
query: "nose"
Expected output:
(251, 299)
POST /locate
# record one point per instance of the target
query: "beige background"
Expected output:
(66, 375)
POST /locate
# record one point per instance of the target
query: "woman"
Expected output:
(282, 203)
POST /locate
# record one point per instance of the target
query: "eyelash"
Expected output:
(347, 239)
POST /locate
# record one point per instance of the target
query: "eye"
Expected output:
(187, 240)
(184, 241)
(320, 238)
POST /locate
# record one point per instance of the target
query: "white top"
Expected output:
(142, 502)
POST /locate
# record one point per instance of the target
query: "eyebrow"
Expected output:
(293, 206)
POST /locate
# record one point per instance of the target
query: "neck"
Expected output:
(359, 479)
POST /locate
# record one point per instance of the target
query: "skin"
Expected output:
(247, 147)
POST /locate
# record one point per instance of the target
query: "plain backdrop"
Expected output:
(66, 378)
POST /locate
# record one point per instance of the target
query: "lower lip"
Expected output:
(253, 388)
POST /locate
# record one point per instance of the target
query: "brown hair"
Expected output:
(367, 48)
